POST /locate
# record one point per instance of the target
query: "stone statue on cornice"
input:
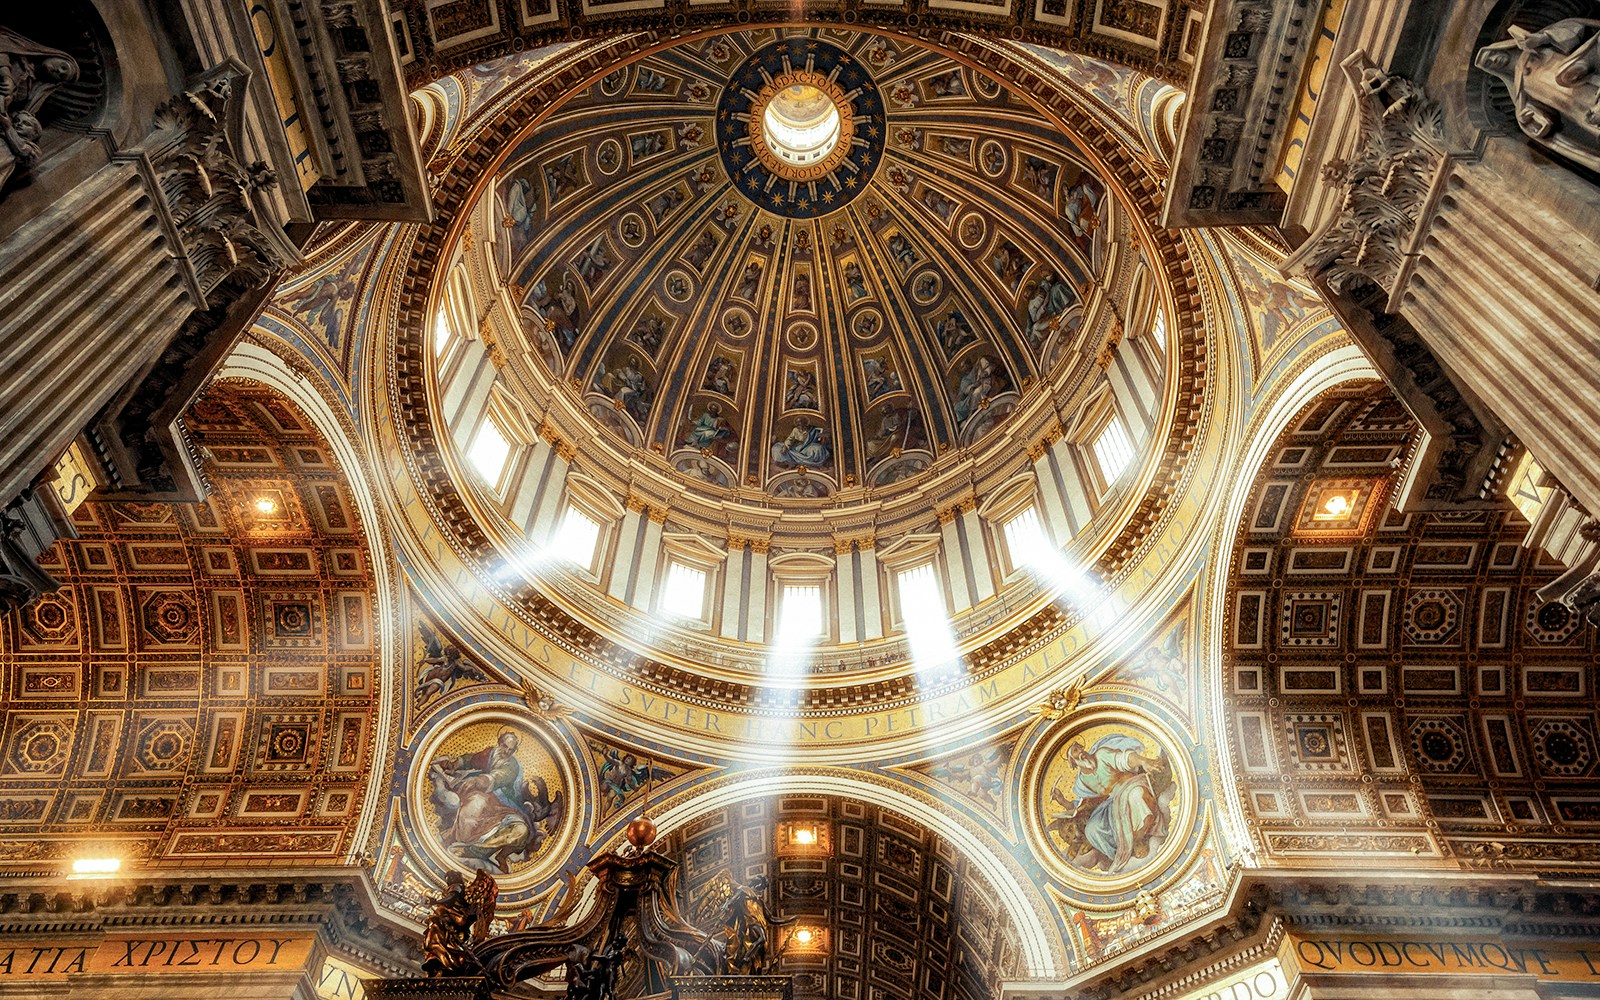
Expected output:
(29, 73)
(1554, 79)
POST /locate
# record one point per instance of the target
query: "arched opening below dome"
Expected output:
(858, 892)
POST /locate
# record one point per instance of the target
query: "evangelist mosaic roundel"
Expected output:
(1113, 800)
(492, 794)
(800, 128)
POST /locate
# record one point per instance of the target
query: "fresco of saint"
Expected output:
(490, 816)
(803, 446)
(1118, 812)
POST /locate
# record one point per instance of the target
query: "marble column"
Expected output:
(756, 610)
(523, 495)
(733, 590)
(648, 560)
(979, 565)
(467, 397)
(1052, 494)
(1133, 388)
(90, 295)
(628, 536)
(552, 489)
(1074, 491)
(845, 572)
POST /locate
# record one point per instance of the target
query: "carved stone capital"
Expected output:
(1398, 151)
(210, 194)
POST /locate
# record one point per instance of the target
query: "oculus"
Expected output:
(800, 128)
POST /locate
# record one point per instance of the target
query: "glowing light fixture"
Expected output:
(95, 867)
(1336, 505)
(805, 935)
(805, 836)
(266, 505)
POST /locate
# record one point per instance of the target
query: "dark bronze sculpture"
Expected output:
(747, 931)
(593, 975)
(630, 941)
(460, 919)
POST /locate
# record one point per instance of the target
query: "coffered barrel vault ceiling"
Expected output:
(894, 910)
(203, 688)
(1396, 685)
(686, 289)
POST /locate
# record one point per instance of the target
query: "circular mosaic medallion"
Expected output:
(866, 324)
(1112, 800)
(971, 230)
(493, 792)
(802, 337)
(992, 158)
(679, 285)
(800, 128)
(737, 321)
(631, 228)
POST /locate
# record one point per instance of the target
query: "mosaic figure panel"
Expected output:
(494, 797)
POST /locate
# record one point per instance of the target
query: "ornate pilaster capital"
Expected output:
(1386, 182)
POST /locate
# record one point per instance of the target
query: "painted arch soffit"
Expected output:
(527, 632)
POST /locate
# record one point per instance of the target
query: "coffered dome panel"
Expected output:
(800, 319)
